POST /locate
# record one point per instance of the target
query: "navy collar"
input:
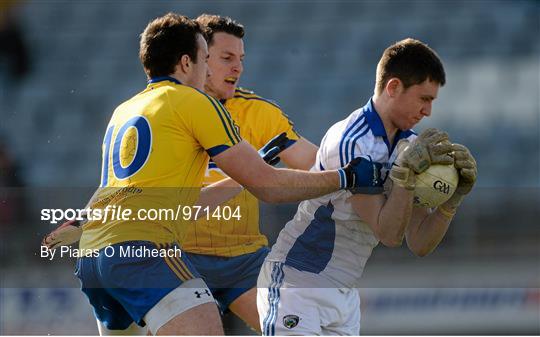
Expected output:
(163, 78)
(374, 120)
(377, 127)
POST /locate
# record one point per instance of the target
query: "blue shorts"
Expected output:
(122, 289)
(229, 277)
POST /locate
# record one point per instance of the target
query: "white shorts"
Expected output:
(293, 302)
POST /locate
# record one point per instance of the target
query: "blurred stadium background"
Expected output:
(65, 65)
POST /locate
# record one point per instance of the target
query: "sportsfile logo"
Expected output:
(121, 213)
(441, 187)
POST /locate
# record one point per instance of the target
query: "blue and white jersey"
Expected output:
(326, 236)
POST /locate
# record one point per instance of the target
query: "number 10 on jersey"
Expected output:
(142, 149)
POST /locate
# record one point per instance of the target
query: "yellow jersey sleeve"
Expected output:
(212, 124)
(262, 118)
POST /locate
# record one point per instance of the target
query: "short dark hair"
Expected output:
(411, 61)
(212, 24)
(165, 40)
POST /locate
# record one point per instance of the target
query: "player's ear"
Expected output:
(393, 86)
(184, 64)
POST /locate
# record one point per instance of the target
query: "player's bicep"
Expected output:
(301, 155)
(368, 207)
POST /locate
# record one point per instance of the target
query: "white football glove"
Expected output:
(430, 147)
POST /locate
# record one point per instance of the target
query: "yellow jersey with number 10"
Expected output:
(259, 120)
(155, 154)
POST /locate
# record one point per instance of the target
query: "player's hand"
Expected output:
(402, 175)
(67, 233)
(430, 147)
(465, 163)
(363, 176)
(270, 151)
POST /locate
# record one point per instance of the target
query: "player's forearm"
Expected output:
(243, 164)
(426, 230)
(286, 185)
(218, 193)
(395, 216)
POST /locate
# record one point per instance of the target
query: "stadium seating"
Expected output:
(316, 60)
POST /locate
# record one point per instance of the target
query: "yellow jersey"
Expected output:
(155, 155)
(259, 120)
